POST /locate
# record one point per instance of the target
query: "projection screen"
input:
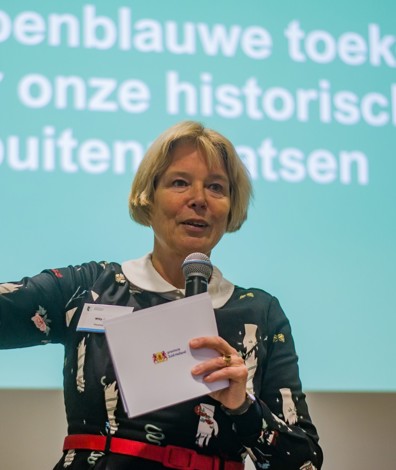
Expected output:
(306, 94)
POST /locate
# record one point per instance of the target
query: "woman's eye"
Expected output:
(179, 183)
(216, 187)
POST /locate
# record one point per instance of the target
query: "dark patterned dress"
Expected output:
(276, 431)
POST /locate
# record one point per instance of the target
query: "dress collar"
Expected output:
(142, 274)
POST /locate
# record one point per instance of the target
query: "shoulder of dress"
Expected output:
(110, 265)
(95, 270)
(252, 293)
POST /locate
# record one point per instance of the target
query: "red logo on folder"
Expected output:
(160, 357)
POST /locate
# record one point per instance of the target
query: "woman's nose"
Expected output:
(198, 197)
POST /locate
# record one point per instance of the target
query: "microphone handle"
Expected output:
(196, 285)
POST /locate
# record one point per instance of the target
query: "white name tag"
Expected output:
(94, 315)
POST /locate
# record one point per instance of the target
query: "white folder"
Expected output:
(151, 355)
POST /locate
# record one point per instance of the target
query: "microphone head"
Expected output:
(197, 264)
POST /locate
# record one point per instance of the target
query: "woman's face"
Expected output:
(191, 206)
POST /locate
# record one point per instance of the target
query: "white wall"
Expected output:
(357, 430)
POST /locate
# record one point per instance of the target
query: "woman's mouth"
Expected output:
(196, 223)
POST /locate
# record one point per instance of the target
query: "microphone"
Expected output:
(197, 269)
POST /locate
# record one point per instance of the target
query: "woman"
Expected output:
(191, 188)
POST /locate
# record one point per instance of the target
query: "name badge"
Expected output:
(93, 316)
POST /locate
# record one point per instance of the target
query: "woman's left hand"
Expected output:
(228, 365)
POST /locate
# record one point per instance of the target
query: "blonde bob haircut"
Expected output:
(216, 149)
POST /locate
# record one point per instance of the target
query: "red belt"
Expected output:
(169, 456)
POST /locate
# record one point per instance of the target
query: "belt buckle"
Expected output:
(171, 458)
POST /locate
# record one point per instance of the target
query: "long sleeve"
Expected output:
(276, 431)
(38, 309)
